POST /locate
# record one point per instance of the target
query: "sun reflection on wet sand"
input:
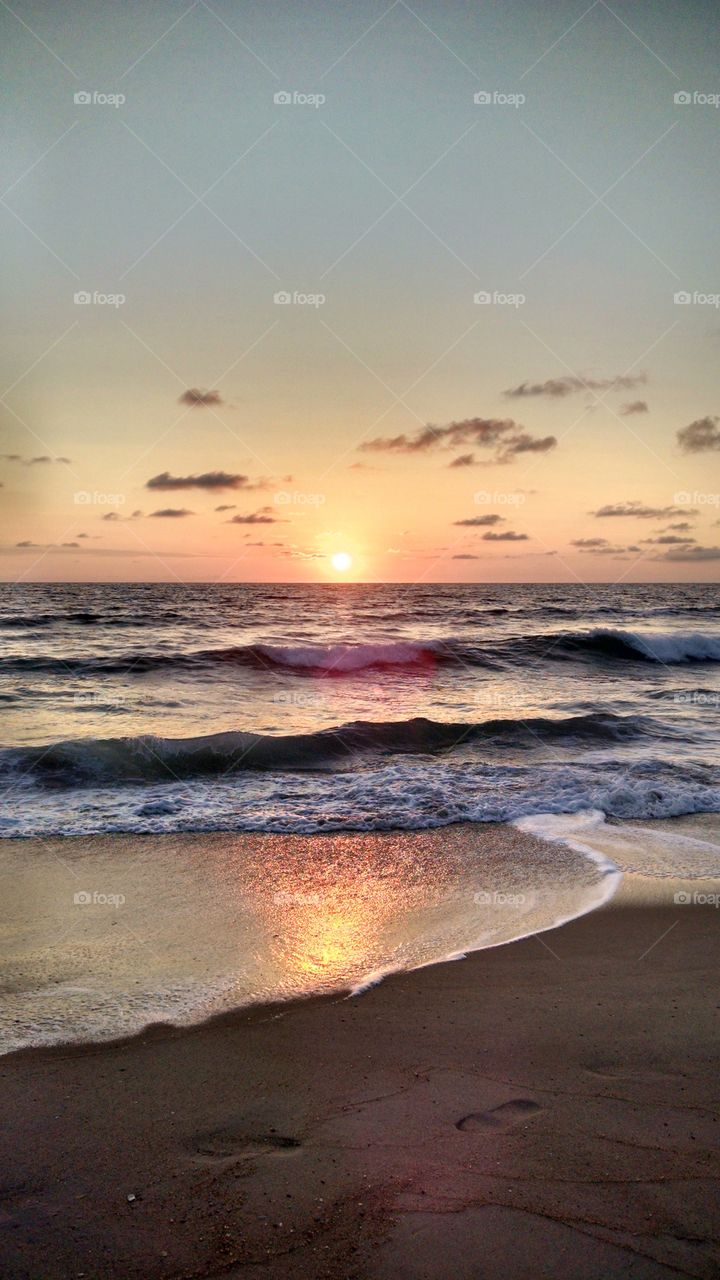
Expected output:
(212, 922)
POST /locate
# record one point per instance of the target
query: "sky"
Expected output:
(432, 287)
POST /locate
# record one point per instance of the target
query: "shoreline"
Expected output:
(543, 1107)
(632, 891)
(108, 935)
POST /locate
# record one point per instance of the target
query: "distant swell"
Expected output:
(83, 618)
(95, 761)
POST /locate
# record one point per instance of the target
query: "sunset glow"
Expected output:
(460, 389)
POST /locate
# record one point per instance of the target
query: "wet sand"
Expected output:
(547, 1108)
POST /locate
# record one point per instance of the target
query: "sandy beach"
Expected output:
(360, 641)
(547, 1108)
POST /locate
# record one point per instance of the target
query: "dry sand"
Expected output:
(546, 1109)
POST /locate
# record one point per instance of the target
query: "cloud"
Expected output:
(558, 388)
(635, 508)
(609, 550)
(524, 443)
(504, 435)
(634, 406)
(262, 516)
(589, 544)
(123, 553)
(226, 506)
(699, 436)
(681, 527)
(200, 399)
(667, 540)
(42, 459)
(464, 460)
(690, 554)
(507, 536)
(477, 522)
(465, 556)
(210, 480)
(171, 513)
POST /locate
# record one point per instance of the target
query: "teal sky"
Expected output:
(592, 194)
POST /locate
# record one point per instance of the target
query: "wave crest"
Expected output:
(149, 758)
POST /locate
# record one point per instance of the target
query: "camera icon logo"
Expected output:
(282, 98)
(682, 98)
(682, 899)
(282, 297)
(282, 498)
(82, 298)
(483, 298)
(482, 98)
(682, 298)
(82, 98)
(82, 899)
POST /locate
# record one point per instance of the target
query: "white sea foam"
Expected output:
(687, 848)
(666, 646)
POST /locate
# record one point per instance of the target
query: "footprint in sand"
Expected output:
(232, 1141)
(502, 1117)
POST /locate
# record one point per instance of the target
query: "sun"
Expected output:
(341, 561)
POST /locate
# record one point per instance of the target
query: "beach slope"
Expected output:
(547, 1108)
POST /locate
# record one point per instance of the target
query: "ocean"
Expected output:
(174, 708)
(214, 796)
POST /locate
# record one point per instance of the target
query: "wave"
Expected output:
(86, 618)
(325, 660)
(347, 659)
(148, 758)
(389, 794)
(664, 647)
